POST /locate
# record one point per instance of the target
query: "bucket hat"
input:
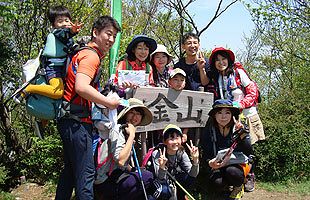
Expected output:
(217, 49)
(141, 38)
(177, 71)
(172, 127)
(162, 49)
(223, 103)
(136, 103)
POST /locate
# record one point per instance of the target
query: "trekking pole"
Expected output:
(186, 192)
(237, 136)
(139, 170)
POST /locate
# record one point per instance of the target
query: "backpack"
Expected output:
(43, 107)
(238, 65)
(148, 160)
(160, 189)
(103, 158)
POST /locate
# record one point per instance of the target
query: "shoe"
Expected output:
(237, 193)
(21, 89)
(18, 98)
(20, 94)
(249, 186)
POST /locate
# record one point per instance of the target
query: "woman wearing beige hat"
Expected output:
(159, 61)
(123, 181)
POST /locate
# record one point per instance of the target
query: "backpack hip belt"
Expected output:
(73, 111)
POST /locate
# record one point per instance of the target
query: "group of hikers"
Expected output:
(174, 164)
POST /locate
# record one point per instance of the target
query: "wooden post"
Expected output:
(198, 129)
(143, 144)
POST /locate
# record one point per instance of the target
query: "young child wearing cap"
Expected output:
(177, 79)
(175, 160)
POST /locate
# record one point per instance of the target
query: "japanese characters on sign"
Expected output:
(184, 108)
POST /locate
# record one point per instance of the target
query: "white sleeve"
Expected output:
(245, 80)
(118, 141)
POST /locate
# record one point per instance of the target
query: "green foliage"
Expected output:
(281, 66)
(285, 153)
(3, 175)
(43, 160)
(6, 196)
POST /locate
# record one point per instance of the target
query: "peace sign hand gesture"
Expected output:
(238, 124)
(162, 160)
(201, 62)
(194, 152)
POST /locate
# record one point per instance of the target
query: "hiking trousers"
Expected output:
(79, 168)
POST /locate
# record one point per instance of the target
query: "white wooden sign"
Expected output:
(185, 108)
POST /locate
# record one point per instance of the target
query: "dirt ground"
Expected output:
(30, 191)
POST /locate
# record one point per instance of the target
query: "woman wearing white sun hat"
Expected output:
(159, 61)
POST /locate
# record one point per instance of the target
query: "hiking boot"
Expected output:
(237, 193)
(249, 186)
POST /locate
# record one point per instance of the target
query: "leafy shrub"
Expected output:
(3, 175)
(6, 196)
(44, 159)
(285, 153)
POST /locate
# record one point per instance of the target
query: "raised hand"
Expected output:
(76, 27)
(162, 160)
(131, 130)
(214, 164)
(238, 124)
(193, 151)
(201, 62)
(127, 84)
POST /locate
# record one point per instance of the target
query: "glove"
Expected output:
(236, 104)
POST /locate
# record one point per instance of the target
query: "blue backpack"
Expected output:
(55, 53)
(40, 106)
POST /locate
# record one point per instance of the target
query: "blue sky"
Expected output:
(228, 30)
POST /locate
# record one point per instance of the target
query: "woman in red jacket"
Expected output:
(232, 82)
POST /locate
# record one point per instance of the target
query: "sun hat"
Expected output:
(136, 103)
(217, 49)
(172, 127)
(223, 103)
(141, 38)
(177, 71)
(162, 49)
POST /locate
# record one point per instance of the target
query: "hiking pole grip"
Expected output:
(139, 170)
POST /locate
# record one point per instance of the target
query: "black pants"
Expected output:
(231, 175)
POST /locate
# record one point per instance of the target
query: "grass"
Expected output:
(298, 189)
(301, 188)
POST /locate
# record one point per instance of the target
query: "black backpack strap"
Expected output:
(76, 48)
(68, 109)
(213, 139)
